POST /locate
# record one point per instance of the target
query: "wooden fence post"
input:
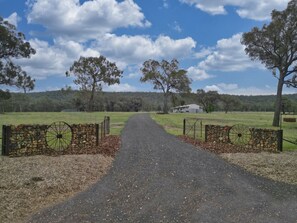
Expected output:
(201, 129)
(97, 134)
(6, 133)
(107, 125)
(280, 140)
(102, 129)
(194, 130)
(206, 132)
(184, 127)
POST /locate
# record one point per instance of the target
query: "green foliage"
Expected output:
(4, 95)
(167, 77)
(229, 102)
(67, 99)
(13, 45)
(275, 45)
(91, 73)
(207, 100)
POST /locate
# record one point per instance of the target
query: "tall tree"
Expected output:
(92, 72)
(165, 76)
(25, 82)
(275, 45)
(207, 99)
(229, 102)
(13, 45)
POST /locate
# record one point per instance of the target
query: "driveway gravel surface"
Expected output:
(157, 178)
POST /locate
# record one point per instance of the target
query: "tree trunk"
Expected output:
(278, 102)
(165, 108)
(91, 101)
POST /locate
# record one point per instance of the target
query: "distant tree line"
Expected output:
(70, 100)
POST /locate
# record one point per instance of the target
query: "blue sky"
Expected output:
(204, 35)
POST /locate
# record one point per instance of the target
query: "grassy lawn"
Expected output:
(118, 119)
(173, 123)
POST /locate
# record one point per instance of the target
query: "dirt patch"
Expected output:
(276, 166)
(218, 148)
(28, 184)
(280, 167)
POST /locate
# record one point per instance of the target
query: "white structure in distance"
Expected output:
(191, 108)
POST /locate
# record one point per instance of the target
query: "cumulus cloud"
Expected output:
(197, 74)
(70, 18)
(234, 89)
(203, 53)
(120, 88)
(228, 55)
(251, 9)
(53, 59)
(126, 51)
(13, 19)
(136, 49)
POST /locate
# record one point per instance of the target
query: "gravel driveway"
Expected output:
(157, 178)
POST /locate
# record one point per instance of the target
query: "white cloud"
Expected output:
(70, 18)
(203, 53)
(229, 56)
(13, 19)
(197, 74)
(120, 88)
(165, 4)
(134, 75)
(53, 59)
(251, 9)
(212, 88)
(234, 89)
(228, 86)
(136, 49)
(177, 27)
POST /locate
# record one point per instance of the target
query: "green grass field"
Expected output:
(118, 119)
(173, 123)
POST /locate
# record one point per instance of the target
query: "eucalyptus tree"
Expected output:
(13, 46)
(207, 99)
(275, 45)
(91, 72)
(167, 77)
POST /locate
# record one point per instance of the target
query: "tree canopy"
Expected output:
(92, 72)
(207, 99)
(167, 77)
(275, 45)
(13, 46)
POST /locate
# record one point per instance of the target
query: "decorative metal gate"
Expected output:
(193, 127)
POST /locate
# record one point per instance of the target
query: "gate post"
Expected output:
(97, 134)
(102, 130)
(206, 132)
(6, 133)
(280, 140)
(195, 130)
(107, 124)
